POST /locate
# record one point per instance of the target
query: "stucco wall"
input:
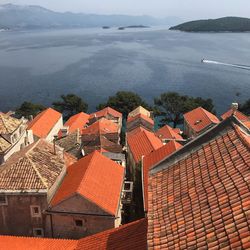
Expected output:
(55, 130)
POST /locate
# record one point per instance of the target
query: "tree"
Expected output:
(245, 107)
(171, 106)
(124, 102)
(28, 108)
(70, 105)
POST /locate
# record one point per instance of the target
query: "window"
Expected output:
(3, 200)
(38, 232)
(35, 211)
(78, 223)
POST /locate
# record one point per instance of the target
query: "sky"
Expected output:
(188, 9)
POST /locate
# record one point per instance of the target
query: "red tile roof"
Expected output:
(90, 177)
(43, 123)
(168, 133)
(199, 198)
(131, 236)
(247, 124)
(106, 111)
(77, 121)
(140, 116)
(152, 159)
(29, 243)
(237, 113)
(199, 119)
(102, 126)
(142, 143)
(136, 130)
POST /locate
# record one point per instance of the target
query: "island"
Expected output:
(225, 24)
(105, 27)
(133, 27)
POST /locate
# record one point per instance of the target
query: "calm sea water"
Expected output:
(39, 66)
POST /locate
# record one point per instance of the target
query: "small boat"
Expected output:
(202, 60)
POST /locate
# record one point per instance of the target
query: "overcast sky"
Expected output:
(189, 9)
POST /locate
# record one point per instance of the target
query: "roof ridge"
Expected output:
(1, 116)
(206, 113)
(151, 134)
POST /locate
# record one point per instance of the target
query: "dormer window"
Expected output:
(197, 122)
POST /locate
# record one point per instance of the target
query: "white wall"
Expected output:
(55, 130)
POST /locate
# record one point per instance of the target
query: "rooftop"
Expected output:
(142, 143)
(42, 124)
(90, 177)
(152, 159)
(199, 119)
(106, 111)
(168, 133)
(140, 116)
(35, 167)
(199, 196)
(8, 124)
(240, 116)
(139, 110)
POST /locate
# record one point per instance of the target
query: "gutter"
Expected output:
(50, 212)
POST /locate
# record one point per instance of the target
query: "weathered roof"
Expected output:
(33, 168)
(31, 243)
(4, 144)
(152, 159)
(199, 197)
(168, 133)
(142, 143)
(199, 119)
(104, 112)
(140, 116)
(43, 123)
(97, 179)
(75, 122)
(130, 236)
(139, 110)
(8, 124)
(102, 126)
(237, 113)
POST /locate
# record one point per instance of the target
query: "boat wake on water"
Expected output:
(239, 66)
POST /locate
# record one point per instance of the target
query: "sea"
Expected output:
(41, 65)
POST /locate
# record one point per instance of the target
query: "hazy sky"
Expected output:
(182, 8)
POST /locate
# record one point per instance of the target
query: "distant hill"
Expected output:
(36, 17)
(229, 24)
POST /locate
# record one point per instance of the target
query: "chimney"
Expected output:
(234, 107)
(30, 118)
(54, 143)
(65, 131)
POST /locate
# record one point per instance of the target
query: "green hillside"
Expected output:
(225, 24)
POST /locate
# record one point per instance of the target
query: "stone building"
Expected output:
(13, 136)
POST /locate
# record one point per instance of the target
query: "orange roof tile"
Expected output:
(199, 119)
(102, 126)
(140, 116)
(152, 159)
(247, 124)
(90, 177)
(136, 130)
(199, 196)
(168, 133)
(42, 124)
(142, 143)
(237, 113)
(77, 121)
(29, 243)
(130, 236)
(104, 112)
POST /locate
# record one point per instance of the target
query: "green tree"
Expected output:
(245, 107)
(171, 106)
(124, 102)
(28, 108)
(70, 105)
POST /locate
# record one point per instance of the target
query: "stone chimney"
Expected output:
(234, 107)
(65, 131)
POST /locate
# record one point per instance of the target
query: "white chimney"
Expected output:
(234, 107)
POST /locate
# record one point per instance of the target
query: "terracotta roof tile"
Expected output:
(168, 133)
(131, 236)
(102, 126)
(142, 143)
(42, 124)
(106, 111)
(200, 199)
(90, 177)
(152, 159)
(199, 119)
(4, 144)
(8, 124)
(247, 124)
(29, 243)
(35, 167)
(237, 113)
(140, 116)
(136, 130)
